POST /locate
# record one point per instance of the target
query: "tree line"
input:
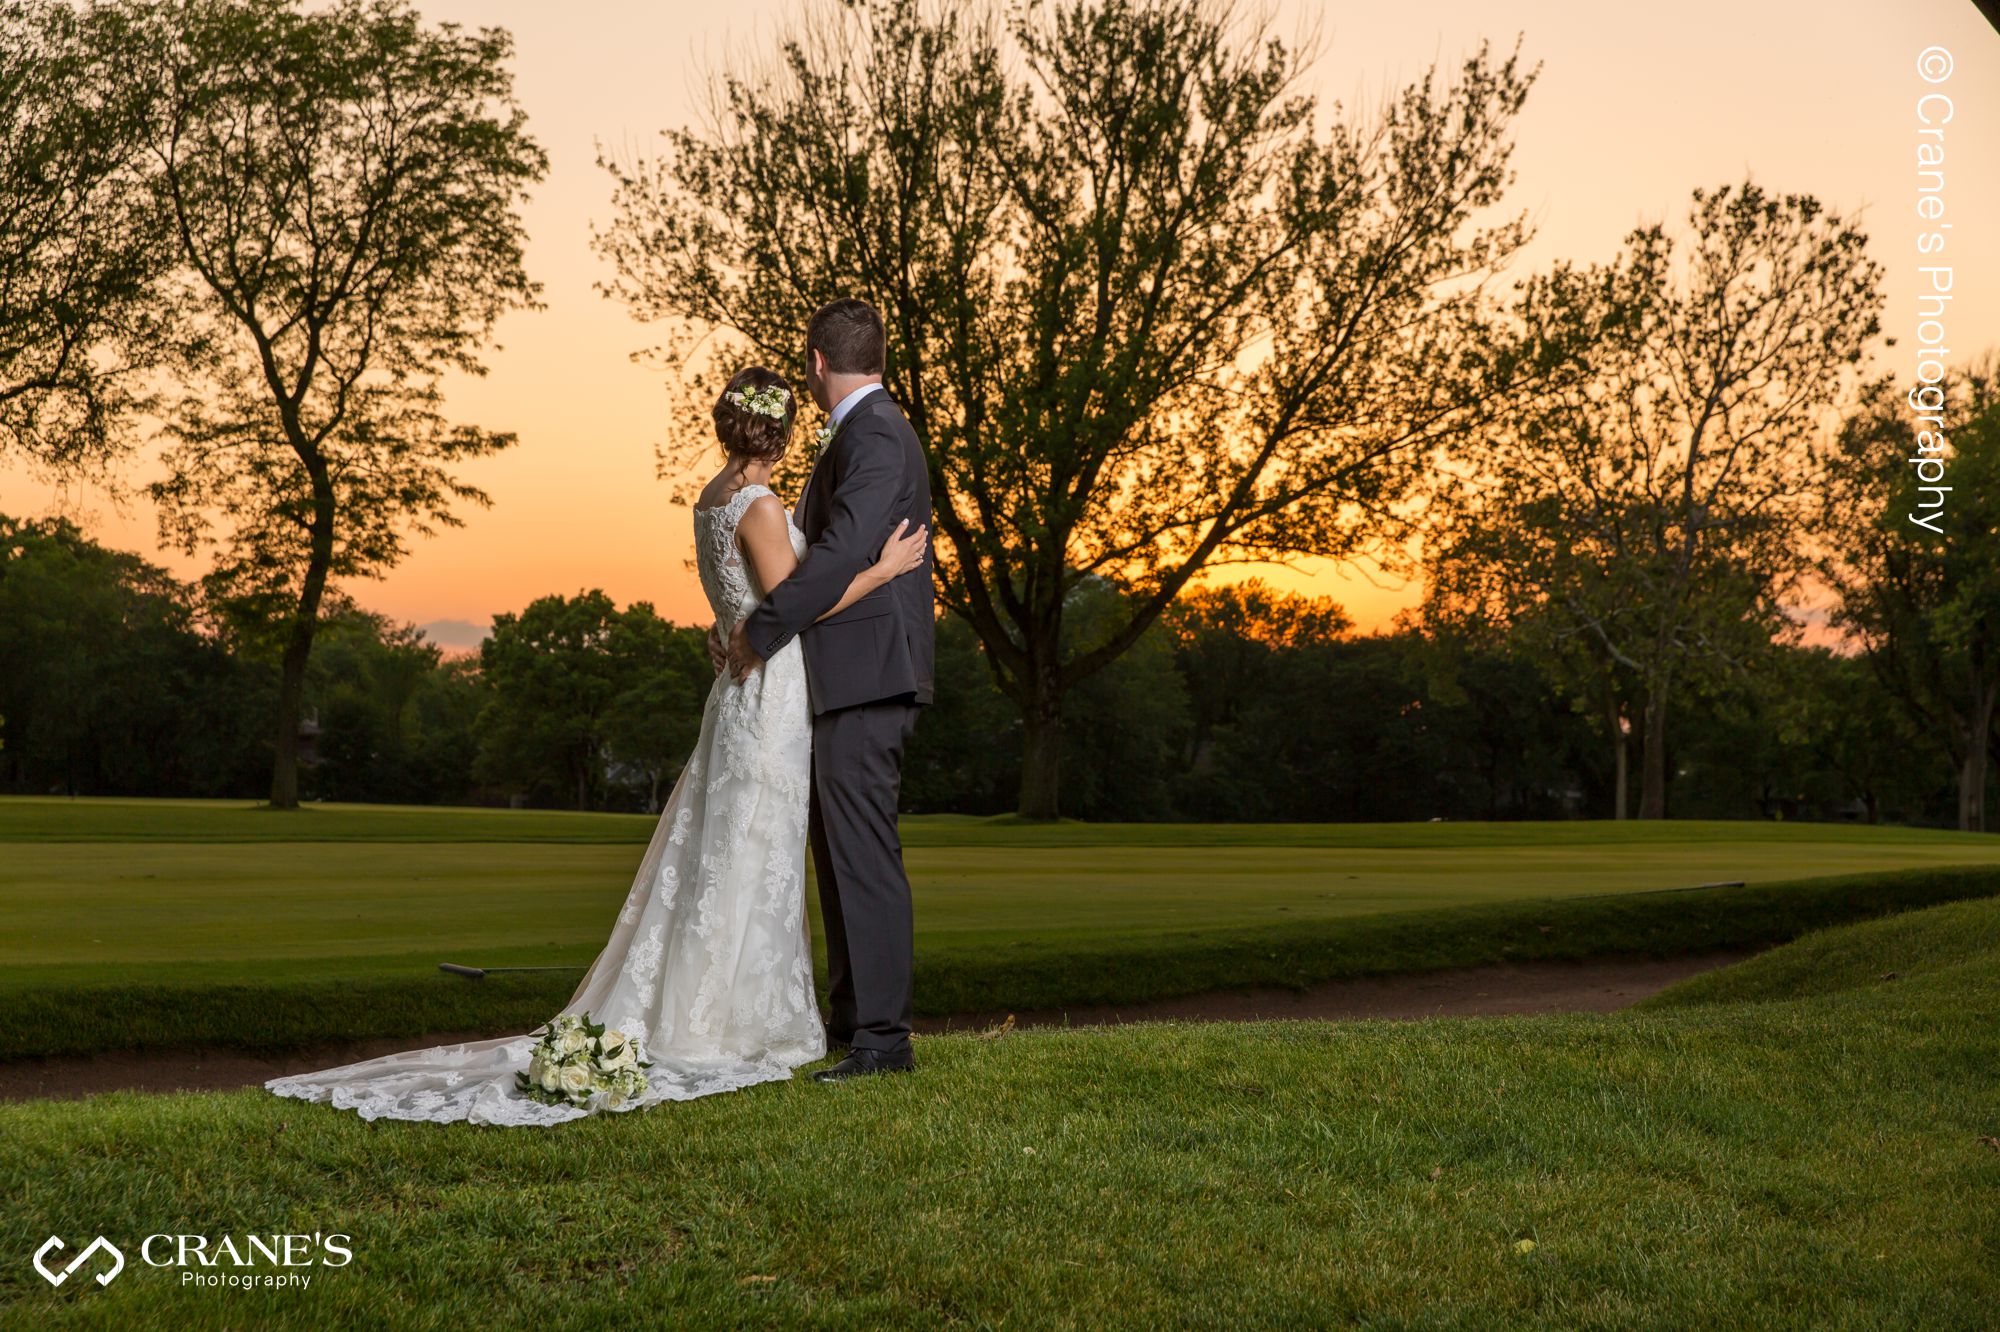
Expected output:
(1241, 704)
(1152, 308)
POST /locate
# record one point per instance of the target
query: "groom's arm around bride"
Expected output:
(869, 476)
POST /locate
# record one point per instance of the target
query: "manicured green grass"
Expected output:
(52, 819)
(1884, 952)
(129, 905)
(60, 819)
(1809, 1158)
(273, 1009)
(98, 889)
(204, 922)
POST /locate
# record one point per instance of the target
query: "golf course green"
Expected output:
(97, 889)
(187, 922)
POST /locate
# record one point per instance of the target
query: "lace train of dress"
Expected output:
(709, 964)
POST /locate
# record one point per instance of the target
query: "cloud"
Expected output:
(462, 635)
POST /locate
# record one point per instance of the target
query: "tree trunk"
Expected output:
(291, 705)
(298, 648)
(1972, 771)
(1041, 758)
(1653, 756)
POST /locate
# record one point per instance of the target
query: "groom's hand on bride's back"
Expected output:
(742, 658)
(718, 650)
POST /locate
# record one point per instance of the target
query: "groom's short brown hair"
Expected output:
(849, 334)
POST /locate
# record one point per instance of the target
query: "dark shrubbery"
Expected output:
(1241, 705)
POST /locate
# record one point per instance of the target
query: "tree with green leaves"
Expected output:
(654, 721)
(343, 188)
(82, 252)
(379, 690)
(1227, 641)
(1642, 515)
(111, 685)
(1925, 605)
(1146, 313)
(965, 758)
(578, 689)
(1470, 598)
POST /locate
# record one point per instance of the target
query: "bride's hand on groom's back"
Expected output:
(903, 552)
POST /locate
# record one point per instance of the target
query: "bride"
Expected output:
(709, 965)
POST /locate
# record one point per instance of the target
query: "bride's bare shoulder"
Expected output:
(763, 516)
(717, 492)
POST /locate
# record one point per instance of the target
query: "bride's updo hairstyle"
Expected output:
(753, 417)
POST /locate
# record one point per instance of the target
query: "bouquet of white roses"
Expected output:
(576, 1059)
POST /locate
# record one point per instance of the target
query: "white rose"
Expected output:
(551, 1077)
(621, 1056)
(576, 1078)
(572, 1041)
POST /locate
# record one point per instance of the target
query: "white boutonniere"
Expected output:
(825, 436)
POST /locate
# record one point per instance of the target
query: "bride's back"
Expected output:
(726, 577)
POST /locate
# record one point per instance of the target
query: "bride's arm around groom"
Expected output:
(870, 477)
(868, 501)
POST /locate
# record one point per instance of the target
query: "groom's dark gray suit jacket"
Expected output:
(870, 476)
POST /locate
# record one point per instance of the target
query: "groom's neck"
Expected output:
(839, 386)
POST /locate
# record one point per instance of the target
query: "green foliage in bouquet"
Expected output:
(576, 1060)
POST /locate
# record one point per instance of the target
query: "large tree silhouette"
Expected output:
(1147, 314)
(1643, 516)
(1923, 604)
(343, 190)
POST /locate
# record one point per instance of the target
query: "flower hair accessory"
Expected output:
(769, 401)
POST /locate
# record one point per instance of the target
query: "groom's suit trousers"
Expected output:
(864, 895)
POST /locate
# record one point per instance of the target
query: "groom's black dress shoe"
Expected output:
(861, 1063)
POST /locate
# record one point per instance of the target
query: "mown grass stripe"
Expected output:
(276, 1013)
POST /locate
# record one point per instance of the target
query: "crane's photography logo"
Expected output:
(1935, 110)
(203, 1262)
(56, 1277)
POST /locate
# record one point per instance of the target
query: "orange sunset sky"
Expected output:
(1634, 107)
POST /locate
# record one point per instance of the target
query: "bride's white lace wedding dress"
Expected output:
(709, 964)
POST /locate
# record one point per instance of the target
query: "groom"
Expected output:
(868, 670)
